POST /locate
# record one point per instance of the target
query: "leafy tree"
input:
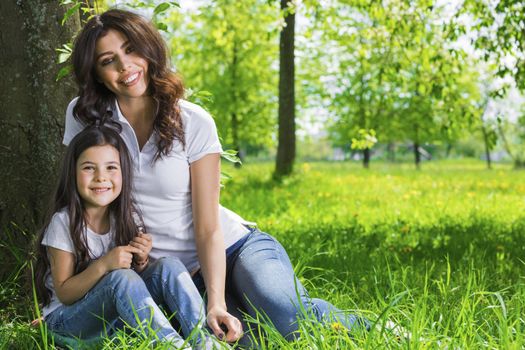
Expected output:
(228, 48)
(395, 74)
(497, 29)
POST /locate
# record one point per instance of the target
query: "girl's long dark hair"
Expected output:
(166, 88)
(66, 196)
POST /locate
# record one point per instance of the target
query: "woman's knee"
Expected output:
(170, 265)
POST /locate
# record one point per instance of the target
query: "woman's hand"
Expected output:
(143, 242)
(218, 317)
(119, 257)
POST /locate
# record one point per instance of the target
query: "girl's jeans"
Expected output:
(122, 297)
(260, 278)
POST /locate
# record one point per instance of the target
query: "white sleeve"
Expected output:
(57, 233)
(201, 135)
(73, 126)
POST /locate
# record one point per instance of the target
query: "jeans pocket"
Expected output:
(54, 321)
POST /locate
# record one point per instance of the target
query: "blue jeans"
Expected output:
(122, 297)
(260, 278)
(170, 285)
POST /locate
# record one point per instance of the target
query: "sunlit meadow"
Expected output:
(433, 258)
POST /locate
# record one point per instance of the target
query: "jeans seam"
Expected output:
(279, 249)
(164, 289)
(180, 319)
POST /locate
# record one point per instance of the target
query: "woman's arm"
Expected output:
(70, 287)
(205, 187)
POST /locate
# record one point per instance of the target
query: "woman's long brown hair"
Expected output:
(166, 88)
(123, 211)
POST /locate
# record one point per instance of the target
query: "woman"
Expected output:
(121, 67)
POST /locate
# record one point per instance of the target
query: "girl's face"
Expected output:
(119, 67)
(99, 177)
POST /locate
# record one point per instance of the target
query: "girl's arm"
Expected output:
(70, 287)
(205, 186)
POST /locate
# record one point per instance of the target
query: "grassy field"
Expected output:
(439, 252)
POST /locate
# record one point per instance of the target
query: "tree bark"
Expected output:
(235, 101)
(366, 158)
(33, 106)
(448, 150)
(391, 150)
(487, 146)
(286, 139)
(417, 155)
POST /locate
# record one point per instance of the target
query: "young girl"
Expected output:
(90, 252)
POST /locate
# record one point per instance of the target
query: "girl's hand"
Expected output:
(119, 257)
(143, 242)
(224, 325)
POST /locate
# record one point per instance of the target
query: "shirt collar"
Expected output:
(117, 113)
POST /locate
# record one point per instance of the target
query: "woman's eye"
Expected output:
(106, 61)
(130, 49)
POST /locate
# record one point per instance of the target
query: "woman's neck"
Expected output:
(97, 219)
(140, 113)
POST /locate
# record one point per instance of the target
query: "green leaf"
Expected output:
(225, 176)
(161, 8)
(71, 12)
(161, 26)
(176, 4)
(63, 57)
(64, 71)
(231, 156)
(64, 53)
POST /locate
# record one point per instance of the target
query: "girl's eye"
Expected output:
(112, 167)
(130, 49)
(88, 168)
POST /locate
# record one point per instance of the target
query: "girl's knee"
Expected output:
(123, 277)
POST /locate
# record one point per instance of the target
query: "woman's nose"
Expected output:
(123, 64)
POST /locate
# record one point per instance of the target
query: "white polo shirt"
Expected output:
(163, 189)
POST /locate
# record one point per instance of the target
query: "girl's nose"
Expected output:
(100, 176)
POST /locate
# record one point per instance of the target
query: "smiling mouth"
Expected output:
(101, 189)
(131, 79)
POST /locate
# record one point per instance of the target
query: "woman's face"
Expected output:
(119, 67)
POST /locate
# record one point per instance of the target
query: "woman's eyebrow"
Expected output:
(110, 52)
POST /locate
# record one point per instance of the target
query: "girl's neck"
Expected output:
(97, 219)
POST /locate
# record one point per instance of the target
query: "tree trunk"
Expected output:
(391, 150)
(235, 137)
(286, 139)
(417, 155)
(33, 106)
(235, 100)
(366, 158)
(448, 150)
(487, 146)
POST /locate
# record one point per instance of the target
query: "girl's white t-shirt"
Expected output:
(162, 187)
(58, 236)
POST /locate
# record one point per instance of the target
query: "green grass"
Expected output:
(440, 252)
